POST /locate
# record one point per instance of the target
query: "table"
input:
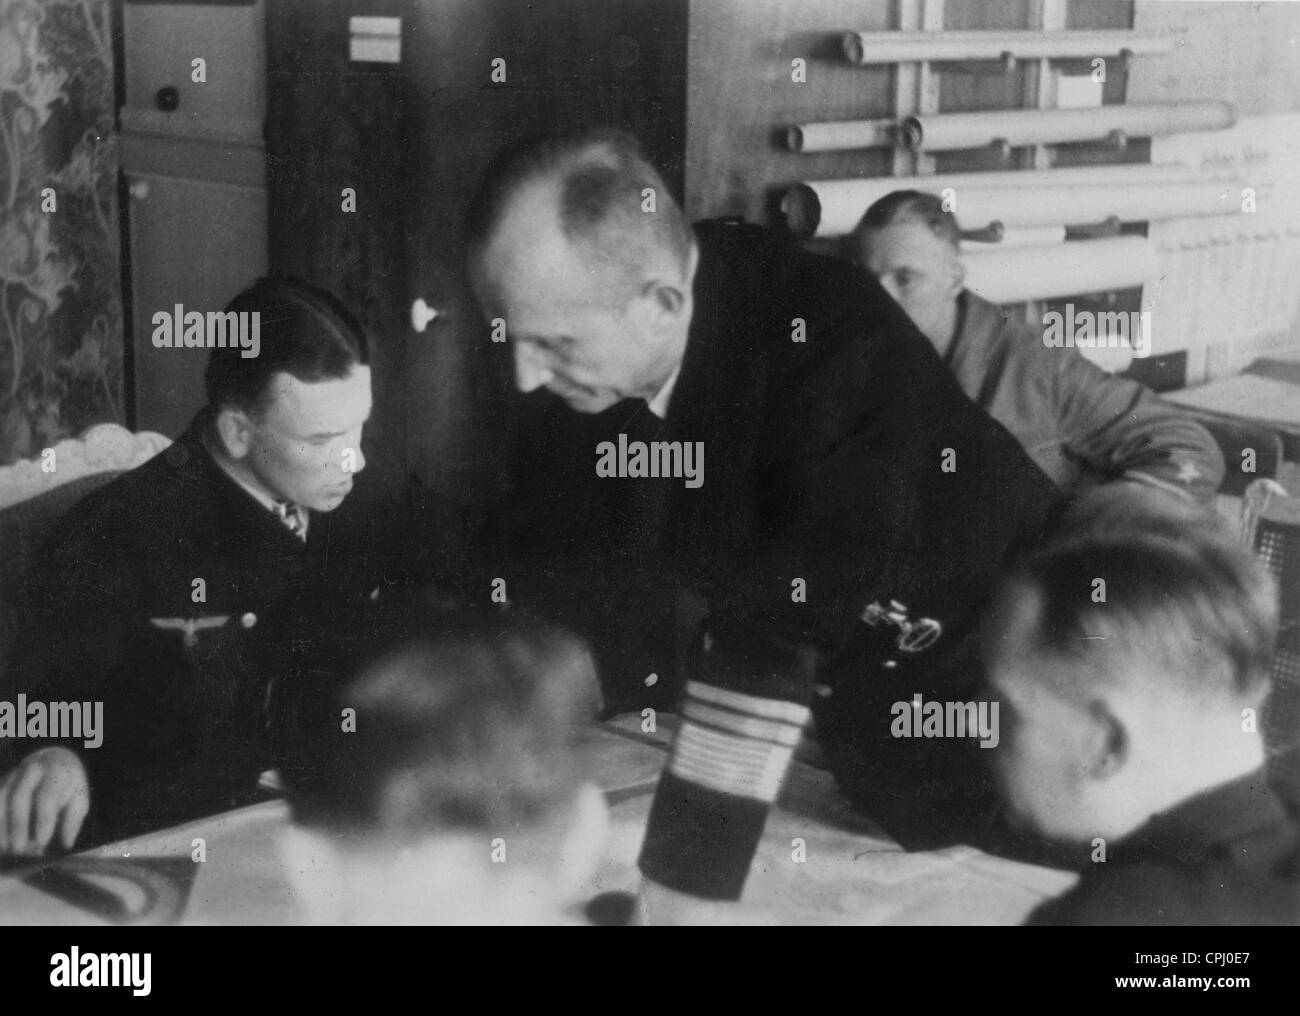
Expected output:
(1267, 392)
(853, 872)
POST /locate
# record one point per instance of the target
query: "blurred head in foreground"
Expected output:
(1130, 656)
(459, 797)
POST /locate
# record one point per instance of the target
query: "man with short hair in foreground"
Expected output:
(1131, 659)
(459, 797)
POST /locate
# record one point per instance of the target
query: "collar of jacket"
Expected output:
(977, 320)
(237, 510)
(1199, 826)
(727, 293)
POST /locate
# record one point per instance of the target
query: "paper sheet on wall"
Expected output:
(1232, 281)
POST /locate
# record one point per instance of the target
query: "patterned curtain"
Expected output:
(60, 281)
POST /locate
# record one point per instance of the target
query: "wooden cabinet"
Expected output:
(195, 166)
(412, 139)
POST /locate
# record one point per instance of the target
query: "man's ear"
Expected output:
(666, 301)
(583, 846)
(235, 431)
(313, 869)
(1107, 745)
(671, 298)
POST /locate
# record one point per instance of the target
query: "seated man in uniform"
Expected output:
(459, 797)
(1081, 425)
(172, 594)
(1130, 717)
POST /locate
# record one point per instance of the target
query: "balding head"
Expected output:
(577, 244)
(601, 194)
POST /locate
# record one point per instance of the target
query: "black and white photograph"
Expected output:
(745, 463)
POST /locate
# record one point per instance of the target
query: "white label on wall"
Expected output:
(375, 40)
(375, 26)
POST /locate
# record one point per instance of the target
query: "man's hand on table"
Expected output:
(46, 792)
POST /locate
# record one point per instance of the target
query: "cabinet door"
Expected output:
(193, 159)
(208, 57)
(196, 243)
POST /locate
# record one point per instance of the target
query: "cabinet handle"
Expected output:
(422, 314)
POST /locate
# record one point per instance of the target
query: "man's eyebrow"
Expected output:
(531, 338)
(550, 341)
(321, 434)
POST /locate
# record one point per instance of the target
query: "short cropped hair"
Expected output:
(1181, 595)
(463, 724)
(602, 177)
(910, 206)
(305, 332)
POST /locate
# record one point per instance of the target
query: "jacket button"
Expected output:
(248, 620)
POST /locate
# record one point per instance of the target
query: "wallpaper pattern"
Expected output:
(60, 291)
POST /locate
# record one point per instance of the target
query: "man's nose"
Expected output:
(531, 371)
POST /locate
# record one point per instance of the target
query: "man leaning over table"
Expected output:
(842, 470)
(172, 594)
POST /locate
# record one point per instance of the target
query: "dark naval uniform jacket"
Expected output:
(853, 509)
(176, 599)
(1227, 856)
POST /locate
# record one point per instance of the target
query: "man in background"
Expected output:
(1130, 717)
(174, 595)
(1081, 425)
